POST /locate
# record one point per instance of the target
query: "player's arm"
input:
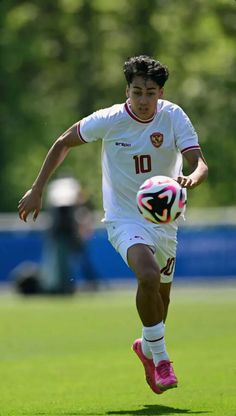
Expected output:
(198, 168)
(32, 200)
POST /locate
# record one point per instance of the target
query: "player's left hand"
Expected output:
(186, 182)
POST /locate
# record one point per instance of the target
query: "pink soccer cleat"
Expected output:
(150, 371)
(165, 377)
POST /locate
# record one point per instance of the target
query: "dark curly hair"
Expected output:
(146, 67)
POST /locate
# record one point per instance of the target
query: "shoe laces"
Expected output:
(164, 368)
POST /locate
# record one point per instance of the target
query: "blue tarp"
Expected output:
(203, 252)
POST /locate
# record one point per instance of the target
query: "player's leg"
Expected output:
(151, 311)
(148, 301)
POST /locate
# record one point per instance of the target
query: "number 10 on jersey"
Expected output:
(143, 163)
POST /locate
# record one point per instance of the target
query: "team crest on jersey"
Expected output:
(156, 139)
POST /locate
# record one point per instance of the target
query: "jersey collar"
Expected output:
(132, 115)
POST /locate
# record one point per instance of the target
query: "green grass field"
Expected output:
(72, 356)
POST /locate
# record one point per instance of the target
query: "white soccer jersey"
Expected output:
(134, 150)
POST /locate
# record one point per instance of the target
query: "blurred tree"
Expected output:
(146, 37)
(61, 60)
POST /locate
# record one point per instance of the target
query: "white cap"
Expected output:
(63, 192)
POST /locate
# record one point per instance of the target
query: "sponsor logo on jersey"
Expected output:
(157, 139)
(122, 144)
(136, 236)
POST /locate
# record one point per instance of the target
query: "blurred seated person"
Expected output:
(70, 227)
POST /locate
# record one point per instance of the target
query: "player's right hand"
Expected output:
(30, 202)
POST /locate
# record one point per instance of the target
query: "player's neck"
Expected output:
(137, 116)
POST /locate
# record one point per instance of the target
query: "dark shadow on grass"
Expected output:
(157, 410)
(148, 409)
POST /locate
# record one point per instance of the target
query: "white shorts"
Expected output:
(161, 239)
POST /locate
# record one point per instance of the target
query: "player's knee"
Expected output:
(149, 279)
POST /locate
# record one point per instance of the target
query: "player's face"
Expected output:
(143, 95)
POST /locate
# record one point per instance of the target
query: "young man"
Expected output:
(143, 137)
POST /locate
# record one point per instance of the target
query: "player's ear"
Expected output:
(161, 92)
(127, 91)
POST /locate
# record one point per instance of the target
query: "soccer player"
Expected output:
(143, 137)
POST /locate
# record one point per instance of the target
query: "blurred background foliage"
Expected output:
(62, 59)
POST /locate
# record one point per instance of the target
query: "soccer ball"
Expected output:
(161, 199)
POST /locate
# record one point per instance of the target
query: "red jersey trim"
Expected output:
(79, 133)
(190, 148)
(132, 115)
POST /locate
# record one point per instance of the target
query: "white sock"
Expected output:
(145, 348)
(154, 337)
